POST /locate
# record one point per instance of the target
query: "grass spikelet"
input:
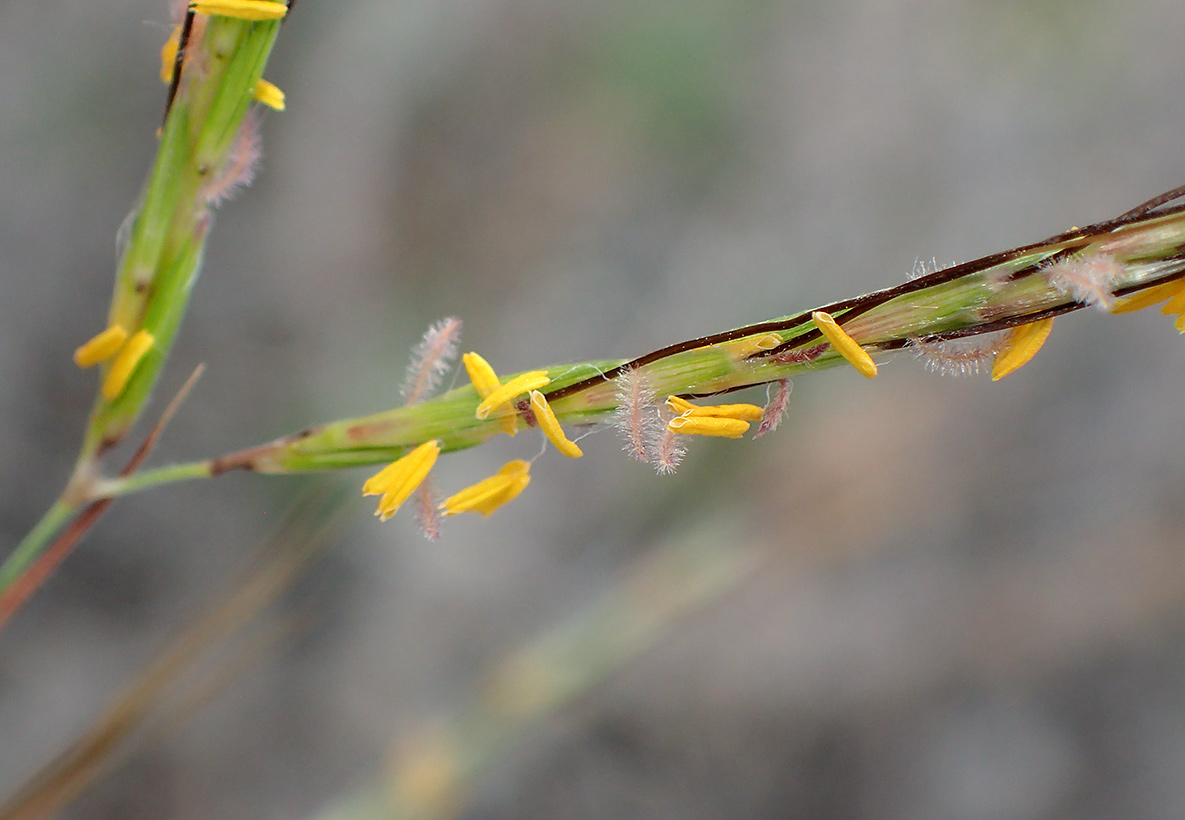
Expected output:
(1088, 279)
(431, 358)
(775, 409)
(957, 357)
(636, 416)
(242, 163)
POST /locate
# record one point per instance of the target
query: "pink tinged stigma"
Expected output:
(1089, 279)
(431, 359)
(958, 357)
(242, 163)
(775, 409)
(636, 416)
(800, 355)
(427, 515)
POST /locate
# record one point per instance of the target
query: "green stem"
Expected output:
(116, 487)
(33, 544)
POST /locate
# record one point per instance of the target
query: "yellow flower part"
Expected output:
(708, 426)
(398, 480)
(1175, 305)
(168, 55)
(125, 364)
(844, 344)
(269, 94)
(551, 428)
(1021, 345)
(524, 383)
(101, 348)
(743, 348)
(241, 9)
(485, 381)
(744, 412)
(1149, 297)
(491, 493)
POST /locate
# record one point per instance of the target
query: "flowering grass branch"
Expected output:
(213, 63)
(993, 312)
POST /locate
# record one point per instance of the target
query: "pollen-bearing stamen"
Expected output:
(550, 425)
(489, 494)
(100, 347)
(125, 364)
(743, 412)
(844, 344)
(708, 426)
(269, 94)
(523, 383)
(1149, 296)
(485, 381)
(241, 9)
(398, 480)
(1020, 347)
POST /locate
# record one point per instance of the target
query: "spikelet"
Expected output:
(775, 409)
(1088, 279)
(966, 356)
(431, 358)
(636, 416)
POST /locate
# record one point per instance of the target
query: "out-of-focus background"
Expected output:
(968, 598)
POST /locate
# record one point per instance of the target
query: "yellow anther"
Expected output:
(101, 348)
(269, 94)
(743, 412)
(398, 480)
(844, 344)
(168, 55)
(125, 364)
(708, 426)
(1175, 305)
(491, 493)
(241, 9)
(1149, 297)
(520, 384)
(551, 428)
(485, 381)
(1021, 345)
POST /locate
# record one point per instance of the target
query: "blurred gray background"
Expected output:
(971, 596)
